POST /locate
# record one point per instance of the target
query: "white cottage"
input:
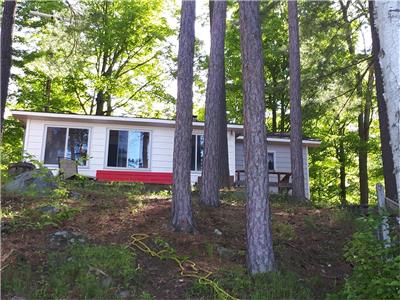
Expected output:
(137, 149)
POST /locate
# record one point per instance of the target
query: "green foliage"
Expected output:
(81, 271)
(11, 145)
(274, 285)
(32, 218)
(376, 267)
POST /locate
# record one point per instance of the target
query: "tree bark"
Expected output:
(213, 130)
(363, 133)
(182, 218)
(260, 255)
(48, 94)
(341, 157)
(7, 26)
(296, 135)
(385, 26)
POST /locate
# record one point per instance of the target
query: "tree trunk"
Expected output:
(260, 255)
(100, 103)
(282, 123)
(296, 135)
(182, 219)
(48, 94)
(224, 177)
(363, 133)
(213, 130)
(385, 16)
(7, 26)
(363, 128)
(341, 156)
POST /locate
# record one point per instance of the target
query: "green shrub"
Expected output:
(376, 273)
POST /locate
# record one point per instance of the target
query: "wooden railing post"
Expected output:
(384, 227)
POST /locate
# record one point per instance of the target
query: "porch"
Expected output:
(280, 180)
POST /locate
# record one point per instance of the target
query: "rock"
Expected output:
(106, 281)
(62, 238)
(20, 167)
(75, 195)
(217, 232)
(49, 209)
(39, 181)
(226, 252)
(123, 294)
(5, 227)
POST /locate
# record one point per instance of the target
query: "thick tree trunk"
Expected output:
(213, 123)
(385, 16)
(260, 255)
(387, 158)
(296, 147)
(7, 26)
(182, 218)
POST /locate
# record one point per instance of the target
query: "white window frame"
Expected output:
(195, 153)
(66, 143)
(126, 168)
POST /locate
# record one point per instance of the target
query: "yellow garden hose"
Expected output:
(187, 267)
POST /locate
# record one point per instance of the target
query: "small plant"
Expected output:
(236, 281)
(283, 231)
(80, 272)
(376, 266)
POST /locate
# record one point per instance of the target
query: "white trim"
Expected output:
(306, 142)
(43, 150)
(105, 162)
(22, 115)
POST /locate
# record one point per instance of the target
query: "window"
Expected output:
(70, 143)
(128, 149)
(197, 152)
(271, 161)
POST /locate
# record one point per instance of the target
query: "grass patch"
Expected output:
(80, 272)
(236, 281)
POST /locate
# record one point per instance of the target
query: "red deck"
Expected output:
(131, 176)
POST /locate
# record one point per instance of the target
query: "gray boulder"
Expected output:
(39, 182)
(63, 238)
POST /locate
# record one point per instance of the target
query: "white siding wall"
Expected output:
(282, 162)
(161, 145)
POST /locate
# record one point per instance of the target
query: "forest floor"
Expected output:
(84, 249)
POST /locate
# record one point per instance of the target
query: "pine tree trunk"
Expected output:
(260, 255)
(224, 177)
(182, 218)
(385, 25)
(7, 26)
(296, 147)
(215, 91)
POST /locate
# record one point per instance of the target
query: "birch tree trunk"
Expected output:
(296, 147)
(385, 21)
(182, 218)
(260, 255)
(7, 26)
(213, 130)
